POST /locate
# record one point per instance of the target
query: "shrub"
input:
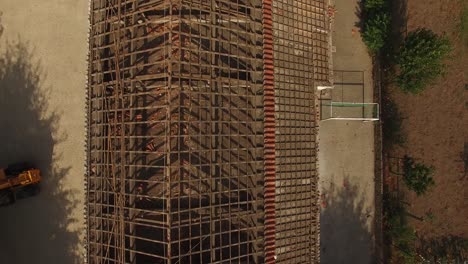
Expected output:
(420, 60)
(376, 24)
(417, 176)
(404, 239)
(402, 235)
(374, 4)
(376, 30)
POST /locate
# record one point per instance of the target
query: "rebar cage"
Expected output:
(176, 130)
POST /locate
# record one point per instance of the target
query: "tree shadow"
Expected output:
(399, 20)
(399, 30)
(36, 229)
(447, 249)
(359, 12)
(345, 226)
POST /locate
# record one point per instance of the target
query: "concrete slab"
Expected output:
(346, 157)
(42, 105)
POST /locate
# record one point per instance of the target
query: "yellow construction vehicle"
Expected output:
(18, 181)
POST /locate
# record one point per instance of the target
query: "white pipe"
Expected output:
(324, 87)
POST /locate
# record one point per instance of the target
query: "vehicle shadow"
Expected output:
(345, 232)
(36, 229)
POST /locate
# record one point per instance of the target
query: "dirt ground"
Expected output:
(42, 106)
(435, 124)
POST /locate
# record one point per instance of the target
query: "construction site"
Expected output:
(232, 131)
(202, 130)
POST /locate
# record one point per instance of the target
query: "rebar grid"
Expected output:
(175, 166)
(181, 130)
(300, 60)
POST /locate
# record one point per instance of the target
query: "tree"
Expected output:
(417, 176)
(376, 30)
(376, 20)
(374, 4)
(420, 60)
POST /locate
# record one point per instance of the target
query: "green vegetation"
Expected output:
(375, 32)
(376, 24)
(403, 237)
(420, 60)
(429, 217)
(374, 4)
(410, 248)
(417, 176)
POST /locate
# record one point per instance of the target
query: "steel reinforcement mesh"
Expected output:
(300, 60)
(176, 124)
(175, 165)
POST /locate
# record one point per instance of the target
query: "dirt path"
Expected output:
(346, 157)
(42, 93)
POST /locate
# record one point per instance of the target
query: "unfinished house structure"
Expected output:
(202, 123)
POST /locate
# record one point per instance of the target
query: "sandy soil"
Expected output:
(436, 127)
(42, 106)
